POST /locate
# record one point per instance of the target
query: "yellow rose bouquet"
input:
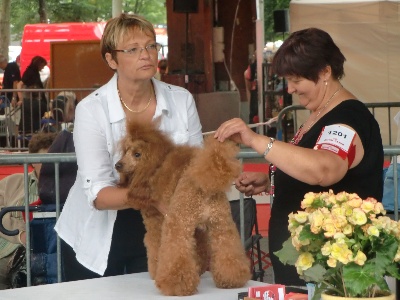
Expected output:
(339, 242)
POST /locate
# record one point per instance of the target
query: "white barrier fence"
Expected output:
(26, 159)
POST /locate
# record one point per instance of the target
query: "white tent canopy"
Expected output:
(368, 33)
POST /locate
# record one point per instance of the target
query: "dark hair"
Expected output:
(305, 53)
(41, 140)
(37, 61)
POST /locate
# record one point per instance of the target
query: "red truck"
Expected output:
(36, 38)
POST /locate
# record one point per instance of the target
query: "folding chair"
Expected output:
(252, 240)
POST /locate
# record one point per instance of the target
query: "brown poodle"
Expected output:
(198, 232)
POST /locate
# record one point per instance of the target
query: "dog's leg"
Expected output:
(202, 249)
(229, 264)
(152, 220)
(177, 270)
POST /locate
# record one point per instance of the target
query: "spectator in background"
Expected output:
(388, 184)
(11, 78)
(250, 78)
(34, 104)
(12, 193)
(162, 69)
(61, 112)
(18, 61)
(63, 109)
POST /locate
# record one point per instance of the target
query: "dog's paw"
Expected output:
(177, 286)
(231, 274)
(177, 277)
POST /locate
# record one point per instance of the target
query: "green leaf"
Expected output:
(386, 251)
(318, 202)
(314, 274)
(393, 270)
(319, 289)
(288, 254)
(306, 234)
(359, 279)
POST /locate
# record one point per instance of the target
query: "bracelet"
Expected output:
(269, 146)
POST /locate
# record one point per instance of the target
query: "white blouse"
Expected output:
(99, 126)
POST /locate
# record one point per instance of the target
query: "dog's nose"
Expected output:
(118, 166)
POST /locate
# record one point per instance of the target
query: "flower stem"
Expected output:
(343, 284)
(332, 287)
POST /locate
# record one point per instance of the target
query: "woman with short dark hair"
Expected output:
(338, 147)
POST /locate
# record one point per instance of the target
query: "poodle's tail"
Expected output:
(216, 166)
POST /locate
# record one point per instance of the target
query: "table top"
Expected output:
(131, 286)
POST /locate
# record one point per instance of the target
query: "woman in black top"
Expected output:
(34, 104)
(339, 146)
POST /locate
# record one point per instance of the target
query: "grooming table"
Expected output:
(131, 286)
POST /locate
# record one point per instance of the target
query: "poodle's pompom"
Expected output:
(216, 166)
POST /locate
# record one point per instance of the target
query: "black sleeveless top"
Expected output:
(365, 179)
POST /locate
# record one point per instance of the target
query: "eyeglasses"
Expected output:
(151, 48)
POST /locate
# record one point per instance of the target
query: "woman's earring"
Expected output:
(326, 83)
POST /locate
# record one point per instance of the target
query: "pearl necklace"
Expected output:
(296, 139)
(131, 110)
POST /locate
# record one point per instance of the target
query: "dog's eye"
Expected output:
(137, 154)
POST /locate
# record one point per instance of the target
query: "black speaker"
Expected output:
(186, 6)
(281, 20)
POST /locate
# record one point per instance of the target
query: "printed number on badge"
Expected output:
(337, 139)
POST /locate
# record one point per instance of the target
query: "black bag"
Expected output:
(16, 270)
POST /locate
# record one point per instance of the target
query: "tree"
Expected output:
(56, 11)
(269, 7)
(42, 11)
(5, 27)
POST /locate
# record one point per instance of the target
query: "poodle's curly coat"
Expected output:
(198, 232)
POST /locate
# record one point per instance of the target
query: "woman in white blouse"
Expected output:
(95, 225)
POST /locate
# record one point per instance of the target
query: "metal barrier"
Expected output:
(382, 111)
(33, 115)
(26, 159)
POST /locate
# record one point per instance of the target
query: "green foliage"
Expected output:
(269, 7)
(26, 11)
(314, 274)
(288, 254)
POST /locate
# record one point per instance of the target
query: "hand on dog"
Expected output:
(253, 183)
(237, 131)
